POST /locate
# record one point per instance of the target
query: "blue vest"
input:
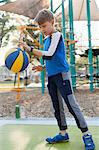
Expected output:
(56, 63)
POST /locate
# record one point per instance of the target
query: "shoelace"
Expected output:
(88, 140)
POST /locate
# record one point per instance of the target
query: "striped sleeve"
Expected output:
(53, 46)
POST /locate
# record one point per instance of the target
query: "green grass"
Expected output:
(32, 137)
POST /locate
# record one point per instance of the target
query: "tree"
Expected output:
(4, 27)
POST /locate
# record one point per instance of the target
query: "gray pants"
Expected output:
(60, 86)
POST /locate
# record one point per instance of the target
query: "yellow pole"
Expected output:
(17, 107)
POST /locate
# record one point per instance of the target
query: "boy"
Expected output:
(59, 79)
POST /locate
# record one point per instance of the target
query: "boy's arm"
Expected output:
(55, 38)
(52, 49)
(28, 49)
(37, 52)
(53, 46)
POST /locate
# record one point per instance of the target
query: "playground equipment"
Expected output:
(95, 53)
(17, 60)
(72, 41)
(36, 44)
(84, 5)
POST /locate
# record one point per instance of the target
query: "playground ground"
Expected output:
(38, 105)
(29, 134)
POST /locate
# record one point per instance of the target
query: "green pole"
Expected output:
(97, 62)
(17, 111)
(51, 4)
(90, 58)
(58, 7)
(72, 48)
(42, 62)
(63, 16)
(63, 20)
(2, 1)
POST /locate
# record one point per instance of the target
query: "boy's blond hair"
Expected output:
(43, 16)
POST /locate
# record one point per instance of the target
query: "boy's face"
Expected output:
(47, 28)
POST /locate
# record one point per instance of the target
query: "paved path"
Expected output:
(47, 121)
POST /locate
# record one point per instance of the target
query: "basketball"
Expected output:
(16, 60)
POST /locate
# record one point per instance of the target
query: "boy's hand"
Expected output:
(25, 46)
(37, 68)
(36, 53)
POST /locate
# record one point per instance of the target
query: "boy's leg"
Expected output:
(57, 104)
(59, 114)
(64, 84)
(62, 114)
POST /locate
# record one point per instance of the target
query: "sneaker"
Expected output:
(88, 141)
(58, 138)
